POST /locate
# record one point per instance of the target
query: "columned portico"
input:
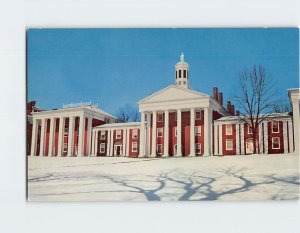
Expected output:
(153, 150)
(166, 134)
(179, 147)
(192, 132)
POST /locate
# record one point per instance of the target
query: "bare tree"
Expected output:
(256, 100)
(283, 107)
(128, 113)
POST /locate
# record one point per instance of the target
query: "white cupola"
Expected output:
(182, 73)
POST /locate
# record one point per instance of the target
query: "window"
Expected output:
(118, 134)
(198, 130)
(275, 143)
(159, 148)
(198, 148)
(184, 82)
(134, 147)
(65, 147)
(159, 132)
(228, 129)
(179, 74)
(102, 148)
(134, 134)
(250, 131)
(160, 117)
(102, 137)
(179, 82)
(184, 73)
(275, 127)
(229, 144)
(198, 115)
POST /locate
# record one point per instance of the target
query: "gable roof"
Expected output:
(173, 92)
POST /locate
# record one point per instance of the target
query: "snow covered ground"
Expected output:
(255, 177)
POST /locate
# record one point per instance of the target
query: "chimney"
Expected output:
(220, 98)
(232, 110)
(215, 93)
(229, 106)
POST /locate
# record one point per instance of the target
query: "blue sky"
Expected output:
(115, 67)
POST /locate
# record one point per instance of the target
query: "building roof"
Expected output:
(238, 118)
(116, 125)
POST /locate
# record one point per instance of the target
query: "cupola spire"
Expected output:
(182, 73)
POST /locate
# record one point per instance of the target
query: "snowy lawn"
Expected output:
(255, 177)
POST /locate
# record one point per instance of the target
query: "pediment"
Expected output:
(173, 93)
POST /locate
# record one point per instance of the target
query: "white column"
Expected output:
(112, 142)
(70, 135)
(285, 137)
(42, 140)
(142, 136)
(127, 142)
(260, 139)
(124, 142)
(148, 134)
(179, 149)
(216, 143)
(166, 134)
(96, 143)
(33, 137)
(89, 135)
(192, 132)
(93, 143)
(108, 143)
(237, 138)
(50, 151)
(291, 142)
(60, 136)
(81, 135)
(296, 125)
(242, 139)
(153, 150)
(266, 137)
(207, 132)
(220, 140)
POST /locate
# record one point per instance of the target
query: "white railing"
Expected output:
(81, 104)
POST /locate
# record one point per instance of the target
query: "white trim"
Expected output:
(134, 134)
(118, 134)
(274, 125)
(249, 127)
(102, 146)
(132, 147)
(226, 145)
(159, 129)
(158, 117)
(198, 133)
(200, 114)
(273, 143)
(157, 149)
(228, 131)
(102, 135)
(198, 144)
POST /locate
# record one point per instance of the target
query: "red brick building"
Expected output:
(175, 121)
